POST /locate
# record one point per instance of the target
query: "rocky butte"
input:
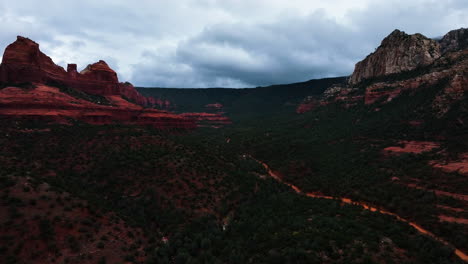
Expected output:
(24, 62)
(54, 94)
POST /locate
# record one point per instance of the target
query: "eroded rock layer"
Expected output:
(50, 104)
(56, 95)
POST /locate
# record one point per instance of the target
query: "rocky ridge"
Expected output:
(397, 53)
(407, 62)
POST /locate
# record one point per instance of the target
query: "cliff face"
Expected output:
(398, 52)
(455, 40)
(405, 62)
(23, 62)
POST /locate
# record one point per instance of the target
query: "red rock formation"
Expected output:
(398, 52)
(415, 147)
(208, 119)
(459, 165)
(24, 62)
(49, 104)
(130, 93)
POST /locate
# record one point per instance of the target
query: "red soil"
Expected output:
(458, 210)
(415, 147)
(460, 166)
(450, 219)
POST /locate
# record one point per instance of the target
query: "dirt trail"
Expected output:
(366, 206)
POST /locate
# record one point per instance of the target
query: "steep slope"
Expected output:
(455, 40)
(398, 52)
(403, 64)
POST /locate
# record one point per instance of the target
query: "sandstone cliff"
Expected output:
(24, 62)
(398, 52)
(57, 95)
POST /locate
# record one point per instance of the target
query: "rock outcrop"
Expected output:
(455, 40)
(397, 53)
(128, 91)
(24, 62)
(405, 63)
(52, 95)
(452, 67)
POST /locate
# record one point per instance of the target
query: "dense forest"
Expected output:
(213, 204)
(201, 196)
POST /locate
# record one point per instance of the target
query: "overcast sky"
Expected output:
(221, 43)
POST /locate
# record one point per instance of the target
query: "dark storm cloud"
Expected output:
(295, 49)
(206, 43)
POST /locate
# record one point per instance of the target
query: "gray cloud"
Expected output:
(207, 43)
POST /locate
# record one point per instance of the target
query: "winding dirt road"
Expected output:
(366, 206)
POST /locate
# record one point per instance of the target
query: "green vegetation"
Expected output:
(244, 104)
(214, 204)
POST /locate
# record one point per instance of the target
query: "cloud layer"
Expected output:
(228, 43)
